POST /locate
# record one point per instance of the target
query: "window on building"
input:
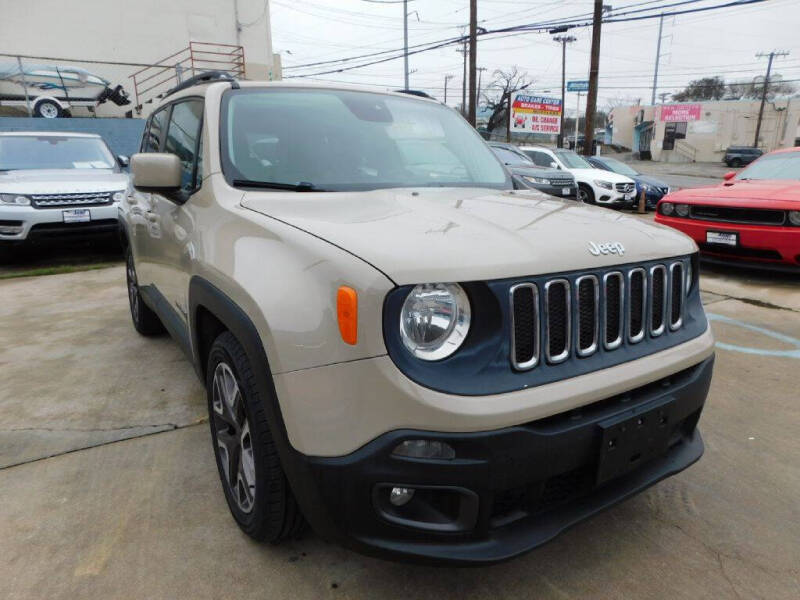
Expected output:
(182, 140)
(672, 132)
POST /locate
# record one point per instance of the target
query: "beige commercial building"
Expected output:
(228, 34)
(701, 131)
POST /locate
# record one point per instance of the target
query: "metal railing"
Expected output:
(686, 150)
(151, 83)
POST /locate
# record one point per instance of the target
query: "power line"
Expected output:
(517, 30)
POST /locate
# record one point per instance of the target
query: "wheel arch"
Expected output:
(211, 312)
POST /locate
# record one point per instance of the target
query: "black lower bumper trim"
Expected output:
(531, 482)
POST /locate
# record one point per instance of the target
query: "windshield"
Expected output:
(784, 165)
(572, 160)
(619, 167)
(336, 140)
(53, 152)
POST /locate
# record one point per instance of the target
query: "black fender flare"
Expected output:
(203, 293)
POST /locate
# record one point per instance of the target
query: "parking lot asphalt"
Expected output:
(108, 486)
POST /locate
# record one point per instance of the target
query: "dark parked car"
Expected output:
(654, 188)
(738, 156)
(528, 174)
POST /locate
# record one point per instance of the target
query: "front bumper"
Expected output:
(555, 190)
(613, 198)
(47, 224)
(759, 245)
(509, 490)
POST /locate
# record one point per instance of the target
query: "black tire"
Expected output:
(265, 509)
(47, 109)
(145, 321)
(585, 194)
(736, 163)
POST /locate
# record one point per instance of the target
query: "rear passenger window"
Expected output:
(183, 138)
(155, 131)
(540, 158)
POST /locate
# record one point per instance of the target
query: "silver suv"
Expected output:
(57, 185)
(398, 347)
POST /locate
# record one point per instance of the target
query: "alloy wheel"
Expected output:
(234, 441)
(133, 290)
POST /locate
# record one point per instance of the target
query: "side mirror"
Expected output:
(554, 164)
(729, 175)
(157, 172)
(122, 160)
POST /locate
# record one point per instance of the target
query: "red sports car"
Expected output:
(753, 216)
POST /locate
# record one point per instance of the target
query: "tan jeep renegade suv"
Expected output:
(398, 347)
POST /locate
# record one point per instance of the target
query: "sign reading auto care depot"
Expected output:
(680, 113)
(535, 114)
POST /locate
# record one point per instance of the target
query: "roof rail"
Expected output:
(205, 77)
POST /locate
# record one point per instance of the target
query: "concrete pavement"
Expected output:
(145, 517)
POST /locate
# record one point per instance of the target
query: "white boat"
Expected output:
(52, 90)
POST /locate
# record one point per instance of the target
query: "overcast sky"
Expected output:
(721, 42)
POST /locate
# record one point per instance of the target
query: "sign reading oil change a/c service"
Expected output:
(535, 114)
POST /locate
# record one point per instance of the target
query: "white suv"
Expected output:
(57, 185)
(595, 186)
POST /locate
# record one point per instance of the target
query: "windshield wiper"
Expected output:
(301, 186)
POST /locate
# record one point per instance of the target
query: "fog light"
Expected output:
(425, 449)
(10, 229)
(401, 496)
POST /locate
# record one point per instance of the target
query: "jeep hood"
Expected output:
(61, 181)
(463, 234)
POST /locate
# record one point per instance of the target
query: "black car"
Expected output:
(654, 188)
(528, 174)
(738, 156)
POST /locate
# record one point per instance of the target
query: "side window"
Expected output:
(540, 158)
(183, 136)
(154, 132)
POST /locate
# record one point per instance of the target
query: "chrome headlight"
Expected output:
(118, 196)
(794, 217)
(435, 320)
(604, 184)
(682, 210)
(667, 208)
(14, 199)
(542, 180)
(644, 187)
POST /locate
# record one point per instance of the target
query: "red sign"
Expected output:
(680, 112)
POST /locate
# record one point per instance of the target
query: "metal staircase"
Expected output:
(152, 83)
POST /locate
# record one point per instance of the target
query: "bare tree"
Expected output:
(505, 83)
(752, 89)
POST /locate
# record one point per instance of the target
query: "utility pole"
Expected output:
(663, 96)
(771, 56)
(658, 58)
(473, 51)
(564, 40)
(405, 44)
(577, 121)
(446, 79)
(464, 79)
(591, 97)
(478, 95)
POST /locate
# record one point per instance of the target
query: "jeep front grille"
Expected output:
(58, 200)
(616, 307)
(558, 317)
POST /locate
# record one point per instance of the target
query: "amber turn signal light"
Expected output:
(347, 313)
